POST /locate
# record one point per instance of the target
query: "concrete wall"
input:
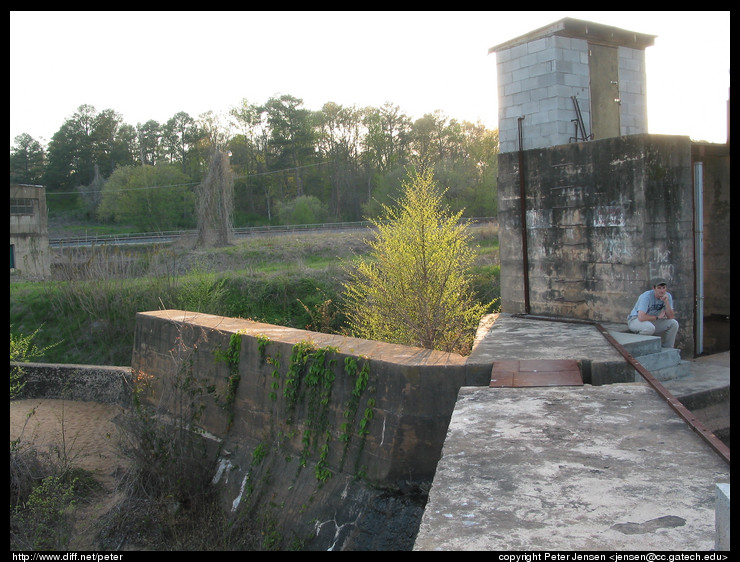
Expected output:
(87, 383)
(716, 235)
(29, 236)
(602, 219)
(406, 406)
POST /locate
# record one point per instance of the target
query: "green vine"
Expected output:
(308, 381)
(350, 412)
(262, 342)
(231, 358)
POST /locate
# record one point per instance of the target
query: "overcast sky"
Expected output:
(151, 65)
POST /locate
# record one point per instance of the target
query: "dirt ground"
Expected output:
(86, 431)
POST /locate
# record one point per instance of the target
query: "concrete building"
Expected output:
(591, 207)
(29, 234)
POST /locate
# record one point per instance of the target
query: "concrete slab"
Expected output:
(512, 337)
(535, 372)
(571, 468)
(637, 344)
(710, 372)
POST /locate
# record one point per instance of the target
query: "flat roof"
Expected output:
(581, 29)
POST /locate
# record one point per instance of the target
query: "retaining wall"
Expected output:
(87, 383)
(336, 462)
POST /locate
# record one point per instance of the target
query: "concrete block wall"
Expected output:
(536, 80)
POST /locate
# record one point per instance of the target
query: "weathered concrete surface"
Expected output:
(609, 467)
(513, 337)
(333, 455)
(706, 392)
(602, 219)
(571, 468)
(96, 383)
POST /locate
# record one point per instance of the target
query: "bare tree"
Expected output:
(216, 202)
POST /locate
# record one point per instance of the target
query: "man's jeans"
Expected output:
(666, 328)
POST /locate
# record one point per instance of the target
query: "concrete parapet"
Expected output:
(89, 383)
(722, 518)
(299, 429)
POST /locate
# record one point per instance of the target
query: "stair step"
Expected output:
(663, 363)
(681, 370)
(637, 344)
(666, 357)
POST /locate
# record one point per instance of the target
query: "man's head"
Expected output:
(660, 287)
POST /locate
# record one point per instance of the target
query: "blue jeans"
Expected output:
(666, 328)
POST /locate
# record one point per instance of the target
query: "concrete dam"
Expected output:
(350, 444)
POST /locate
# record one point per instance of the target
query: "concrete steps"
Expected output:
(662, 362)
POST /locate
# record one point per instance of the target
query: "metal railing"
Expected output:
(240, 232)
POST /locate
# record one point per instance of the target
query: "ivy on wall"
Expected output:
(307, 384)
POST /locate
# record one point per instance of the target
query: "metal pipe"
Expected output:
(699, 256)
(523, 218)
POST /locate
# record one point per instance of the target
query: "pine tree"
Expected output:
(414, 286)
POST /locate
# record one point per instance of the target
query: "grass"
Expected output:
(89, 307)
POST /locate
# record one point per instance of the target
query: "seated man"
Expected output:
(653, 314)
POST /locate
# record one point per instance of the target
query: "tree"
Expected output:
(112, 142)
(245, 119)
(414, 288)
(387, 136)
(291, 138)
(305, 209)
(71, 160)
(26, 160)
(151, 198)
(91, 195)
(339, 143)
(149, 136)
(216, 202)
(179, 135)
(86, 140)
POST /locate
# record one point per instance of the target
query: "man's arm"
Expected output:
(643, 316)
(642, 305)
(669, 313)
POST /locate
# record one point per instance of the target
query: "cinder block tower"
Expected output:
(572, 80)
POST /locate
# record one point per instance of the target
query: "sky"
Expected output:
(152, 65)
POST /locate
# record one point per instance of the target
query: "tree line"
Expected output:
(289, 163)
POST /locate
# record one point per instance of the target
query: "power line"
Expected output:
(192, 183)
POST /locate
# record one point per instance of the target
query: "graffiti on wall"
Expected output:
(608, 215)
(660, 265)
